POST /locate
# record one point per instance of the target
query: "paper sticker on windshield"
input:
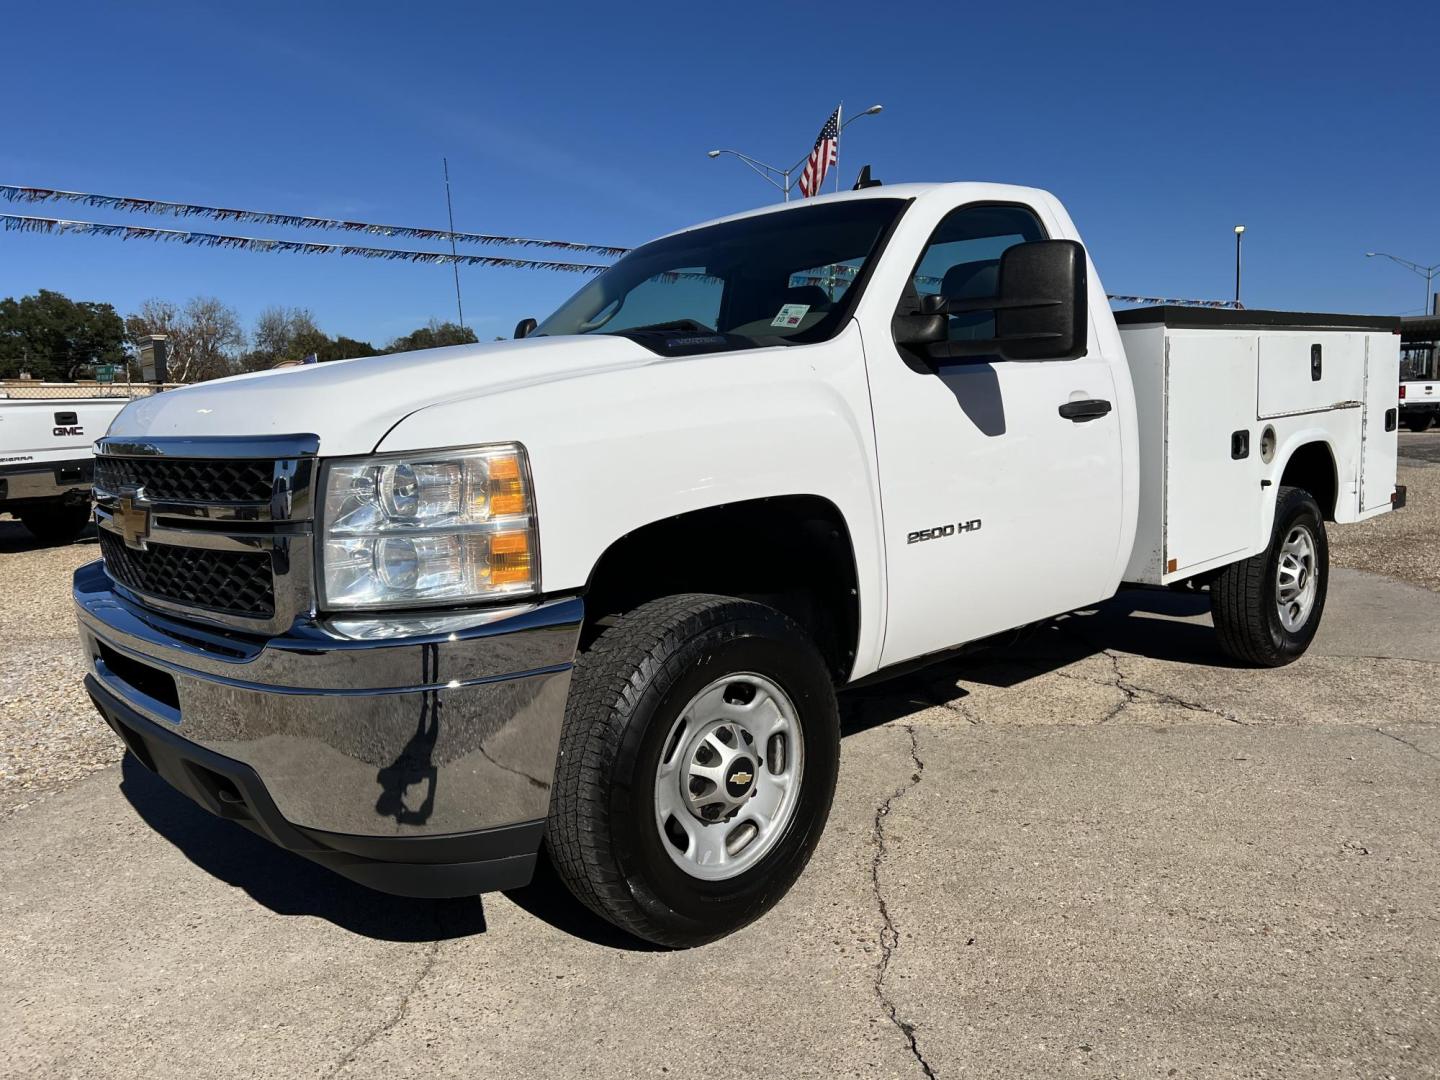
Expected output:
(790, 315)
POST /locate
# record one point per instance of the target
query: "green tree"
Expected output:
(54, 337)
(343, 348)
(434, 336)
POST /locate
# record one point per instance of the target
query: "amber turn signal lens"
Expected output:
(509, 558)
(507, 490)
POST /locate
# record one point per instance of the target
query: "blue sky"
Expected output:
(1315, 126)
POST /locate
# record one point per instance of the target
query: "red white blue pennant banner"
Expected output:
(15, 193)
(21, 223)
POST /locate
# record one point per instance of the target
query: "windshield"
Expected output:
(772, 279)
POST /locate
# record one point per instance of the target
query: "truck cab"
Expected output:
(414, 617)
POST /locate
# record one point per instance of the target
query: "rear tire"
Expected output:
(59, 523)
(634, 712)
(1267, 609)
(1418, 423)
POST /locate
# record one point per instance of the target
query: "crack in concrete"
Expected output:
(1132, 692)
(956, 706)
(889, 935)
(1407, 742)
(400, 1010)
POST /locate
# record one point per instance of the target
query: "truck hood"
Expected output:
(351, 404)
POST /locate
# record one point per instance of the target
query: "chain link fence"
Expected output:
(34, 390)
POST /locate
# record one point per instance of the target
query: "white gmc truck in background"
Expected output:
(413, 616)
(46, 461)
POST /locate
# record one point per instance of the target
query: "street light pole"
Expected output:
(1239, 233)
(1429, 273)
(769, 172)
(873, 110)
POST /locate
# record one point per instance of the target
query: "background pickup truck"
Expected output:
(46, 461)
(412, 616)
(1419, 402)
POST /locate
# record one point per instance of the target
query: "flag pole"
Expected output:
(839, 123)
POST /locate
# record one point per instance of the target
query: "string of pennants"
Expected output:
(22, 223)
(15, 193)
(27, 223)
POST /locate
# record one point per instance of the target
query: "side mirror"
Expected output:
(1041, 313)
(524, 328)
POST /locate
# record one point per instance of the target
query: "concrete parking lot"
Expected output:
(1101, 851)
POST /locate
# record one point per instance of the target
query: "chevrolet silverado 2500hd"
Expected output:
(46, 448)
(410, 616)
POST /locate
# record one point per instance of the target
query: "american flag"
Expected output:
(822, 156)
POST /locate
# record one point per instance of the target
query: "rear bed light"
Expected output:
(1402, 391)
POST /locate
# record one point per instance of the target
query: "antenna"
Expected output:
(454, 262)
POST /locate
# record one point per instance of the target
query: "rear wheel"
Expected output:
(57, 523)
(1268, 608)
(697, 766)
(1417, 421)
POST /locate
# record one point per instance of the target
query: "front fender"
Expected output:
(613, 451)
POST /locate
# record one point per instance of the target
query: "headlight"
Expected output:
(445, 528)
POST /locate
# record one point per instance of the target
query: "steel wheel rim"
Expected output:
(1297, 579)
(716, 822)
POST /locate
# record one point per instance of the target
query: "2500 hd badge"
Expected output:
(940, 531)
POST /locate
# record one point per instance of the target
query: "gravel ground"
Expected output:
(50, 735)
(1405, 545)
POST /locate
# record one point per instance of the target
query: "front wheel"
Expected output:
(697, 765)
(1267, 608)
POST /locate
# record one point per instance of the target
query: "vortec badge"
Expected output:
(133, 522)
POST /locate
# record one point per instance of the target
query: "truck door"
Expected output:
(999, 509)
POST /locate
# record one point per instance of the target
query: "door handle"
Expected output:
(1081, 411)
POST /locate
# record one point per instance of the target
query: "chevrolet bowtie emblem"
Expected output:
(133, 522)
(741, 777)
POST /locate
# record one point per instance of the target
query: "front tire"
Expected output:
(728, 703)
(58, 523)
(1267, 608)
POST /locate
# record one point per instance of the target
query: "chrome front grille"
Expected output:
(219, 530)
(240, 481)
(240, 582)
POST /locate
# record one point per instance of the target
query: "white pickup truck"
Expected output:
(46, 463)
(1419, 402)
(412, 616)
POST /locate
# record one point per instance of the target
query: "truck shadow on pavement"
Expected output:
(1143, 623)
(286, 883)
(1158, 624)
(15, 538)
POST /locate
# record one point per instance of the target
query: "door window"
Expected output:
(962, 261)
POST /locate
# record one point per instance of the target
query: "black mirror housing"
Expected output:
(1043, 313)
(524, 328)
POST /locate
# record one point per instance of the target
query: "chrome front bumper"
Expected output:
(428, 735)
